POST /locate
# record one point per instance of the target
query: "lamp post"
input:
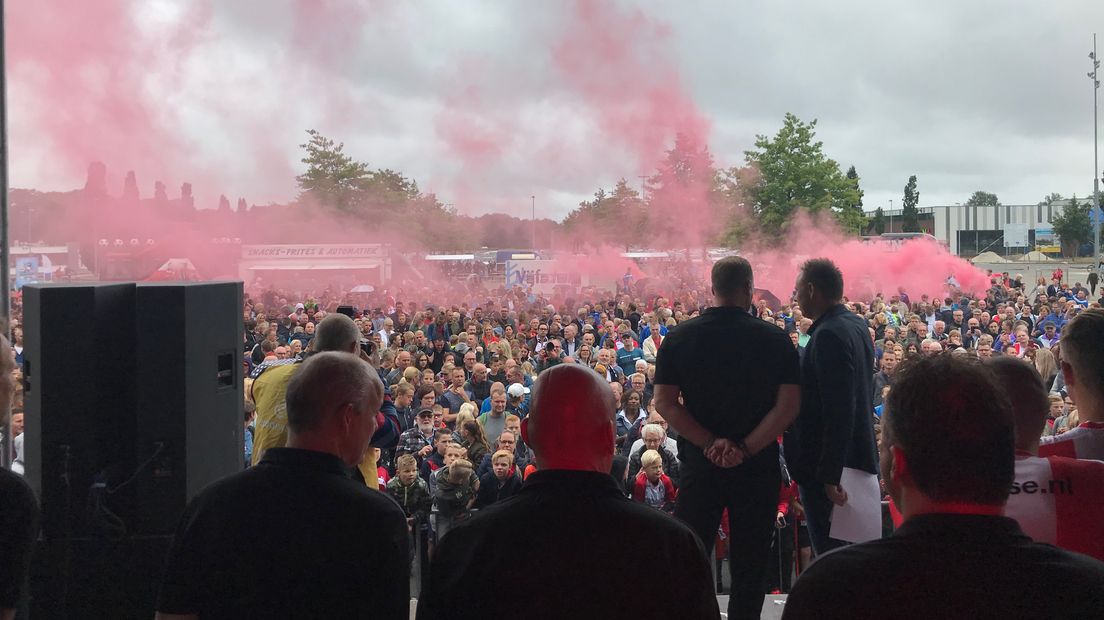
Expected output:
(533, 224)
(1096, 160)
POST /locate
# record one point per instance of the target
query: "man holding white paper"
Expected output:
(834, 431)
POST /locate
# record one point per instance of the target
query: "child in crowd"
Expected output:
(455, 494)
(382, 475)
(250, 420)
(381, 472)
(436, 460)
(454, 452)
(652, 486)
(409, 489)
(499, 483)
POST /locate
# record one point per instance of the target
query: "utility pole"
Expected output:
(1096, 160)
(533, 224)
(5, 248)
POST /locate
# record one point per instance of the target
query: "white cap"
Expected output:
(517, 390)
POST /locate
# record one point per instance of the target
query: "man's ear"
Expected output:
(900, 471)
(346, 418)
(525, 430)
(1068, 374)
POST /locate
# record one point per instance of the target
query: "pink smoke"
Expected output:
(616, 61)
(919, 266)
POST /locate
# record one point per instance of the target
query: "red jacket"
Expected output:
(642, 481)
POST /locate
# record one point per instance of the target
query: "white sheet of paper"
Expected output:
(860, 519)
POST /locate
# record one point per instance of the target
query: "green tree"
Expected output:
(1051, 199)
(983, 199)
(879, 221)
(1073, 226)
(857, 214)
(910, 215)
(794, 173)
(854, 178)
(617, 217)
(332, 178)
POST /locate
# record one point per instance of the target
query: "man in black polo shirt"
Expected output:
(948, 461)
(570, 532)
(738, 377)
(296, 536)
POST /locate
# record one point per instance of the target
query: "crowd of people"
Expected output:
(460, 377)
(452, 397)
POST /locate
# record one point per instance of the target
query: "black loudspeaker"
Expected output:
(134, 403)
(189, 395)
(78, 373)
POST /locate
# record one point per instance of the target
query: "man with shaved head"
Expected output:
(296, 536)
(728, 383)
(570, 526)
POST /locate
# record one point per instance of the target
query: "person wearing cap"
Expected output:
(418, 441)
(628, 353)
(517, 402)
(570, 505)
(1050, 335)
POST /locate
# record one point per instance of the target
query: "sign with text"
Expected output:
(541, 275)
(324, 250)
(1046, 241)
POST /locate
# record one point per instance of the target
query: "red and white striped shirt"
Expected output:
(1084, 442)
(1060, 501)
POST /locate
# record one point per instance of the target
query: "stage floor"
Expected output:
(772, 606)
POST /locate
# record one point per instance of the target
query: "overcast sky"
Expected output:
(487, 103)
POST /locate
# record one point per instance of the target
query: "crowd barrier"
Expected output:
(422, 533)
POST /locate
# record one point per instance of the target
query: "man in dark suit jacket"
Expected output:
(570, 529)
(834, 428)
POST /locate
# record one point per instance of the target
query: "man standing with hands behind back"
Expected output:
(835, 428)
(738, 379)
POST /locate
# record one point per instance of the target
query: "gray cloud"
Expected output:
(967, 95)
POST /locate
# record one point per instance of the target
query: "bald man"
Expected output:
(296, 536)
(570, 526)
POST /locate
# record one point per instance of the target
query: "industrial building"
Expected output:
(1003, 229)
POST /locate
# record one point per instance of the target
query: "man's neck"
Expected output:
(817, 312)
(315, 443)
(1090, 411)
(914, 503)
(738, 303)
